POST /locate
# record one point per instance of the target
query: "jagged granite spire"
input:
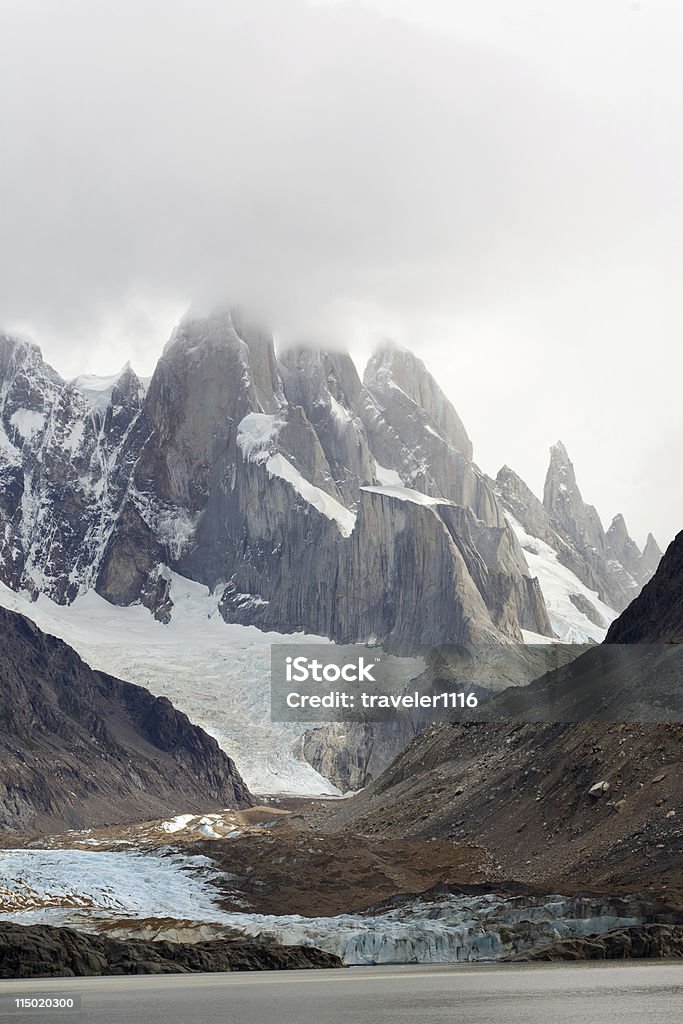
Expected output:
(621, 546)
(563, 501)
(651, 557)
(615, 558)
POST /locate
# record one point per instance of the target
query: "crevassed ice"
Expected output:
(87, 888)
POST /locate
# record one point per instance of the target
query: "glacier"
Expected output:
(91, 890)
(217, 673)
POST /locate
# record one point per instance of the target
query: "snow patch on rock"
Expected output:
(278, 465)
(407, 494)
(27, 421)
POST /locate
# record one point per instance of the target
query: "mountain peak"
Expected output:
(560, 461)
(623, 548)
(393, 368)
(652, 545)
(98, 389)
(650, 559)
(560, 482)
(223, 346)
(196, 331)
(618, 532)
(19, 352)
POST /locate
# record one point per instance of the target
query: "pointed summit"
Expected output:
(618, 527)
(622, 547)
(19, 354)
(393, 367)
(560, 477)
(613, 556)
(228, 352)
(652, 546)
(565, 505)
(651, 557)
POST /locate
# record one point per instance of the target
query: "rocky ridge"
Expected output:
(639, 942)
(78, 747)
(303, 496)
(607, 562)
(261, 478)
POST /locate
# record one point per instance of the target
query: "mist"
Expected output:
(495, 185)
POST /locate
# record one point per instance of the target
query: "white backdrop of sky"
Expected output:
(496, 184)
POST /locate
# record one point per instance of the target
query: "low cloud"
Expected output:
(350, 174)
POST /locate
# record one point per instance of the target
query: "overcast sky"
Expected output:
(496, 183)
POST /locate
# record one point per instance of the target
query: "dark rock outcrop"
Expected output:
(637, 942)
(656, 615)
(80, 748)
(39, 951)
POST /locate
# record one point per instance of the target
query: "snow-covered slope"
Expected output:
(218, 674)
(402, 493)
(567, 598)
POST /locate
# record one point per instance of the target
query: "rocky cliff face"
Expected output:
(302, 497)
(326, 386)
(40, 951)
(80, 748)
(65, 468)
(425, 446)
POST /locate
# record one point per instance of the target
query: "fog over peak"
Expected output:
(491, 186)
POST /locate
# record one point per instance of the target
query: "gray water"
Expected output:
(624, 993)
